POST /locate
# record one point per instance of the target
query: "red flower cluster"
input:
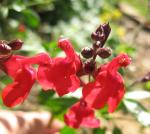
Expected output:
(63, 76)
(58, 74)
(107, 87)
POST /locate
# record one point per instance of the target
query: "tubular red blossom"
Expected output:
(40, 59)
(108, 86)
(60, 75)
(12, 65)
(17, 91)
(81, 115)
(20, 69)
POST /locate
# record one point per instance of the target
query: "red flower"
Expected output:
(24, 77)
(60, 75)
(12, 65)
(81, 115)
(108, 86)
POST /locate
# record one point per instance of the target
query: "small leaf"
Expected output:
(139, 112)
(137, 95)
(147, 85)
(31, 18)
(18, 7)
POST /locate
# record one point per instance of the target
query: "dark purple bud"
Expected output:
(94, 36)
(4, 48)
(87, 52)
(104, 52)
(89, 66)
(97, 44)
(106, 29)
(15, 44)
(101, 37)
(99, 30)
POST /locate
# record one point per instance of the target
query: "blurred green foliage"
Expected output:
(57, 105)
(67, 130)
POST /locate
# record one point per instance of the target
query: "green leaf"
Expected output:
(147, 85)
(17, 5)
(126, 49)
(116, 130)
(137, 95)
(31, 18)
(54, 104)
(139, 111)
(45, 95)
(68, 130)
(99, 131)
(52, 48)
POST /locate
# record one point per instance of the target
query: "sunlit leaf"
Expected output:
(137, 95)
(18, 7)
(147, 85)
(3, 11)
(139, 112)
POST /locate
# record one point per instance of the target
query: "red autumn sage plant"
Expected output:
(63, 75)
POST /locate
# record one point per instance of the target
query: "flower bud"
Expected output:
(97, 44)
(94, 36)
(87, 52)
(4, 48)
(104, 52)
(15, 44)
(106, 29)
(101, 37)
(89, 66)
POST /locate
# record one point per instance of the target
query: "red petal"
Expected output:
(13, 64)
(44, 77)
(40, 59)
(71, 56)
(17, 92)
(79, 115)
(58, 79)
(115, 99)
(92, 94)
